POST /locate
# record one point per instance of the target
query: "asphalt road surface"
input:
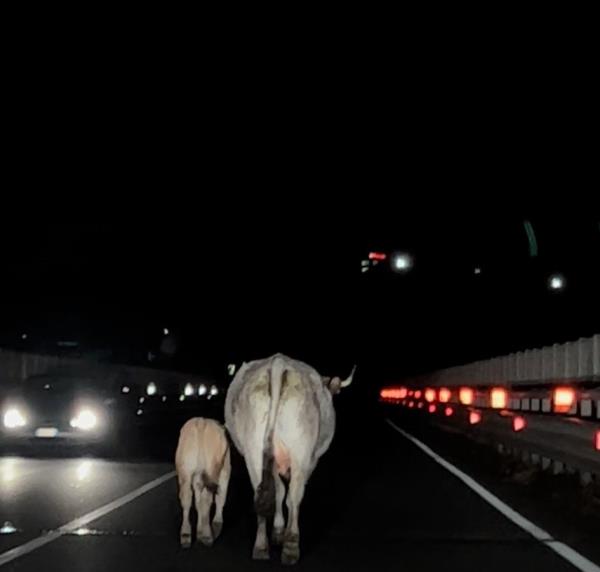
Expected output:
(376, 502)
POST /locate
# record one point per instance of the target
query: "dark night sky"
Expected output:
(287, 279)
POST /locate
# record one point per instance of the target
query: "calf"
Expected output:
(203, 468)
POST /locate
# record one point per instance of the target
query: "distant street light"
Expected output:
(402, 262)
(556, 282)
(166, 331)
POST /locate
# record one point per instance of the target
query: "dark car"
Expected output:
(66, 406)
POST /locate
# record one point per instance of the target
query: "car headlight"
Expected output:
(13, 418)
(188, 389)
(151, 388)
(202, 389)
(214, 390)
(85, 419)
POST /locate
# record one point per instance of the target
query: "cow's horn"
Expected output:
(348, 380)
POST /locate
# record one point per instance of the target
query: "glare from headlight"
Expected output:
(151, 388)
(13, 418)
(125, 389)
(85, 419)
(188, 389)
(214, 390)
(202, 389)
(83, 470)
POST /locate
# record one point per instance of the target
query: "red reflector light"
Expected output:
(377, 256)
(430, 395)
(597, 441)
(466, 396)
(432, 409)
(444, 395)
(498, 398)
(410, 392)
(411, 403)
(417, 394)
(420, 405)
(564, 398)
(519, 423)
(448, 411)
(474, 417)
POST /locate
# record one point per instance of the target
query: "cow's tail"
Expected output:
(210, 479)
(264, 501)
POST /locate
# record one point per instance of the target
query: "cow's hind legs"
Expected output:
(204, 500)
(291, 540)
(217, 524)
(279, 521)
(185, 498)
(261, 545)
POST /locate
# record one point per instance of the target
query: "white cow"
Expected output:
(279, 413)
(203, 468)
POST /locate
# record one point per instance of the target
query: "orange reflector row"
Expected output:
(564, 398)
(393, 393)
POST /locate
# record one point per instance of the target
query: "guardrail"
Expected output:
(574, 361)
(16, 367)
(542, 402)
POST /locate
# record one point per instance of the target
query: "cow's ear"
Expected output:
(335, 385)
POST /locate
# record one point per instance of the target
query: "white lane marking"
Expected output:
(70, 527)
(571, 556)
